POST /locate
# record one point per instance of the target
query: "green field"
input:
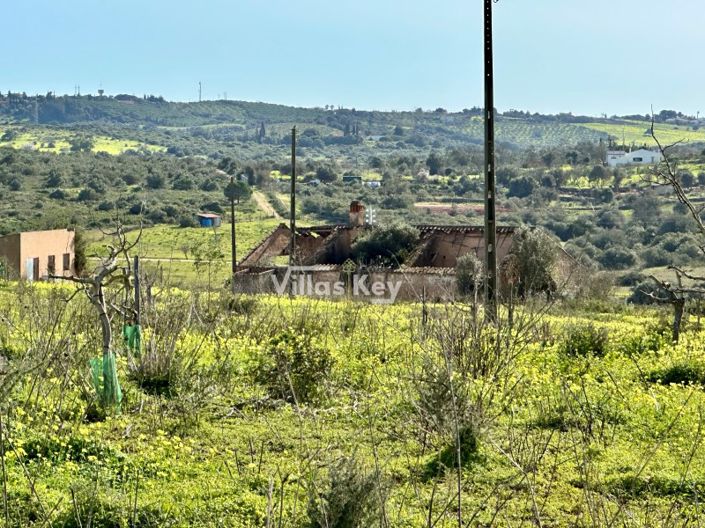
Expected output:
(636, 133)
(58, 141)
(287, 411)
(173, 251)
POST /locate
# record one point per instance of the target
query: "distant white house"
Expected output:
(637, 157)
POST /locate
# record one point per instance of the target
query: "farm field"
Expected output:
(58, 141)
(191, 255)
(284, 412)
(525, 133)
(636, 132)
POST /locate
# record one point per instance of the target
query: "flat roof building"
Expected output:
(34, 255)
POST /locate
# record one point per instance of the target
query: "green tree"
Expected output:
(469, 274)
(434, 162)
(54, 179)
(686, 178)
(237, 191)
(326, 174)
(522, 186)
(80, 248)
(598, 174)
(81, 144)
(386, 246)
(532, 260)
(156, 181)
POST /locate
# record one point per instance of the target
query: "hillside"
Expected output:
(154, 120)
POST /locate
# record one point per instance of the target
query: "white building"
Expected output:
(637, 157)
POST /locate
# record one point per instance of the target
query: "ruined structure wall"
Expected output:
(277, 243)
(436, 287)
(444, 249)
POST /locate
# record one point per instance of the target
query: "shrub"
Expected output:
(213, 207)
(532, 259)
(87, 195)
(171, 367)
(208, 185)
(294, 367)
(241, 305)
(681, 373)
(351, 498)
(675, 224)
(187, 221)
(631, 278)
(522, 186)
(618, 259)
(468, 272)
(386, 246)
(585, 340)
(655, 256)
(642, 293)
(80, 249)
(182, 183)
(447, 457)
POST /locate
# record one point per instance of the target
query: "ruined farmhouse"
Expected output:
(324, 255)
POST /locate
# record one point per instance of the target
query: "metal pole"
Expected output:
(490, 215)
(233, 241)
(292, 212)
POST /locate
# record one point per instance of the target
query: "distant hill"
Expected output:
(228, 121)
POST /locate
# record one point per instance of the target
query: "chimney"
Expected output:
(357, 214)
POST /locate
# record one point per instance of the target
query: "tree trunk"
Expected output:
(678, 309)
(111, 388)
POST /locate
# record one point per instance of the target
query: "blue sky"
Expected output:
(584, 56)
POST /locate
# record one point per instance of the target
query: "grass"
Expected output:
(636, 133)
(173, 242)
(576, 432)
(58, 141)
(172, 251)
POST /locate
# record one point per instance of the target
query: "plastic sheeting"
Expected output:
(132, 335)
(105, 381)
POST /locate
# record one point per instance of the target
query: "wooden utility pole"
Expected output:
(138, 299)
(292, 212)
(490, 213)
(233, 242)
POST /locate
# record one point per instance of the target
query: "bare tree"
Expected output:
(94, 286)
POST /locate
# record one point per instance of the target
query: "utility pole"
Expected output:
(490, 211)
(232, 233)
(292, 211)
(138, 304)
(199, 91)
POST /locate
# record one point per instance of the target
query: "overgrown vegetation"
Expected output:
(312, 413)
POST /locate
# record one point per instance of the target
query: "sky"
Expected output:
(582, 56)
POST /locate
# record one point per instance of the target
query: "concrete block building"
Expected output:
(35, 255)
